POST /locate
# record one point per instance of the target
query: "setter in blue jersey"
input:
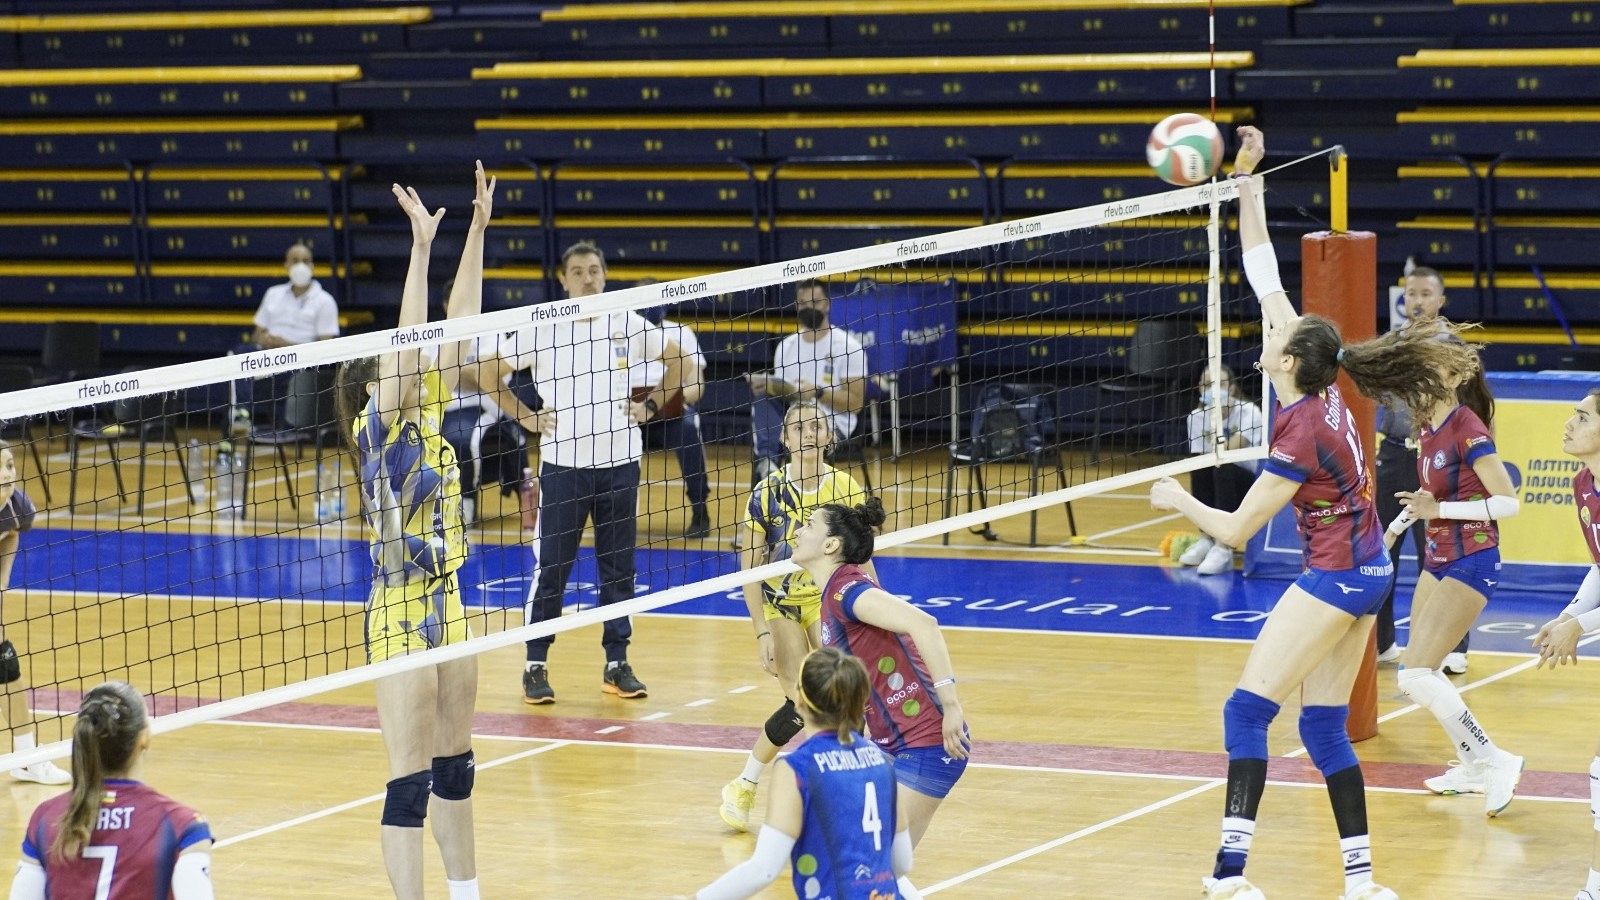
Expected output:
(1316, 635)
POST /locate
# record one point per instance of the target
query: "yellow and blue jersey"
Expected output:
(411, 490)
(778, 508)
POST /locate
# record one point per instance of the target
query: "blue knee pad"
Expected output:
(1245, 719)
(453, 776)
(1322, 728)
(405, 804)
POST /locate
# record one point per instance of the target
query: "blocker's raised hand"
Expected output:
(423, 224)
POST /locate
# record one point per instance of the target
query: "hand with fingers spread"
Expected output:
(483, 198)
(1422, 504)
(423, 224)
(1252, 148)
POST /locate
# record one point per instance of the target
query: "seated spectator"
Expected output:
(489, 446)
(819, 362)
(1221, 487)
(677, 427)
(298, 311)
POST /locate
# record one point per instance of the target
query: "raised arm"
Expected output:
(466, 297)
(1260, 261)
(1268, 495)
(398, 372)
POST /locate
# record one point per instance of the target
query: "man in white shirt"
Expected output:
(589, 451)
(819, 362)
(297, 311)
(678, 424)
(1224, 487)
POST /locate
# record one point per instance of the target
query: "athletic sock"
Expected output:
(752, 769)
(463, 890)
(1245, 720)
(1237, 835)
(1347, 794)
(1357, 861)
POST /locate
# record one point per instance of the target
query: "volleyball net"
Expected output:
(200, 530)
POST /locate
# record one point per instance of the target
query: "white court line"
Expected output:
(743, 689)
(1134, 527)
(706, 701)
(1050, 845)
(371, 798)
(1069, 838)
(655, 716)
(609, 729)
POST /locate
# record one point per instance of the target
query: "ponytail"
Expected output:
(834, 687)
(856, 527)
(1414, 366)
(350, 394)
(104, 741)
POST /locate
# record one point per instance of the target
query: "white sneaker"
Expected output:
(45, 772)
(1371, 891)
(1460, 778)
(1392, 654)
(1455, 664)
(1218, 560)
(1197, 551)
(1232, 888)
(1586, 894)
(1500, 782)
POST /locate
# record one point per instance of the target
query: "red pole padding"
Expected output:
(1339, 281)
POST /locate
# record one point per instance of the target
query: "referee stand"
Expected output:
(1339, 281)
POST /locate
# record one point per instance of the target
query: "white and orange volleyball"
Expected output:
(1185, 149)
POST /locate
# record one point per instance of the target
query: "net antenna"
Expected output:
(1134, 253)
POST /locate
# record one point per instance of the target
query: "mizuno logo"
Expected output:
(1490, 583)
(1350, 590)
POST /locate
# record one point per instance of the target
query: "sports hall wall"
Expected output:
(158, 157)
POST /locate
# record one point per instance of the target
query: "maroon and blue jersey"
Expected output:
(903, 712)
(841, 786)
(133, 847)
(1588, 510)
(1444, 469)
(1315, 443)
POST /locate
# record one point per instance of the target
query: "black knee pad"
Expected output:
(784, 724)
(10, 668)
(453, 776)
(406, 802)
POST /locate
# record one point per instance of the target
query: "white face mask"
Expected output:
(300, 274)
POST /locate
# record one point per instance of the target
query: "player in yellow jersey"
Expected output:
(411, 497)
(785, 610)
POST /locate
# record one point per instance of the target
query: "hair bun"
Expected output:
(872, 513)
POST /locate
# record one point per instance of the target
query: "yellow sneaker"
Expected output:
(738, 798)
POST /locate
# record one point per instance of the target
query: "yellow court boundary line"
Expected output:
(181, 75)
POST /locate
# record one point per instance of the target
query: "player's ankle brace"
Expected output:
(405, 804)
(784, 724)
(1245, 720)
(1322, 730)
(453, 776)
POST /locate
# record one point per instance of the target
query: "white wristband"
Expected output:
(1261, 270)
(1402, 522)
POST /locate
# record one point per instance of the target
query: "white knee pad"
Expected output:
(1421, 685)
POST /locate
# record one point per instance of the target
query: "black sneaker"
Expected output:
(700, 525)
(619, 680)
(536, 686)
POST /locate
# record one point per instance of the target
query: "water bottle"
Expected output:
(197, 470)
(528, 495)
(330, 491)
(224, 478)
(239, 488)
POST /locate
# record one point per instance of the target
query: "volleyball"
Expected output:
(1184, 149)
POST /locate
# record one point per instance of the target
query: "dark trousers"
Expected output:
(1221, 487)
(1397, 471)
(568, 498)
(262, 397)
(500, 455)
(681, 435)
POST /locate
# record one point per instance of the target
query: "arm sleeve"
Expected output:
(755, 873)
(191, 877)
(1588, 596)
(328, 316)
(1493, 508)
(29, 882)
(900, 853)
(1294, 451)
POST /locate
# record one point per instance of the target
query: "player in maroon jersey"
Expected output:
(1316, 635)
(112, 837)
(1464, 491)
(1557, 641)
(914, 715)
